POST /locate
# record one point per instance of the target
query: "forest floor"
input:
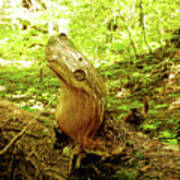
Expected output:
(127, 87)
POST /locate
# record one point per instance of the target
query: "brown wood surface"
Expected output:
(83, 96)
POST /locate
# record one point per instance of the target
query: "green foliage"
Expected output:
(124, 107)
(117, 36)
(171, 141)
(153, 112)
(27, 108)
(174, 95)
(166, 134)
(110, 31)
(159, 106)
(151, 127)
(168, 137)
(25, 87)
(104, 29)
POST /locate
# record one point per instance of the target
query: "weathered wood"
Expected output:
(83, 93)
(32, 154)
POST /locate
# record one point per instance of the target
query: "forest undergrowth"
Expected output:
(127, 86)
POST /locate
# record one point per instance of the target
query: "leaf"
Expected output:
(148, 68)
(159, 106)
(27, 108)
(172, 141)
(124, 107)
(154, 112)
(149, 126)
(136, 74)
(165, 134)
(174, 95)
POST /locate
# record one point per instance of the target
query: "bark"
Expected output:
(32, 154)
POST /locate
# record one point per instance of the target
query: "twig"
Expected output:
(15, 138)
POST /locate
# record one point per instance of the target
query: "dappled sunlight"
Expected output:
(16, 63)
